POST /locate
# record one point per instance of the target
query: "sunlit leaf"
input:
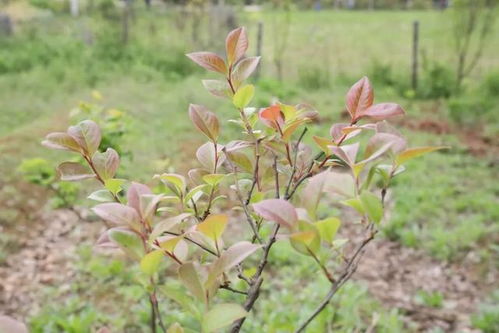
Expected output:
(72, 171)
(209, 61)
(372, 206)
(213, 179)
(213, 226)
(236, 45)
(243, 96)
(191, 280)
(87, 134)
(323, 143)
(355, 203)
(271, 116)
(291, 127)
(277, 210)
(306, 242)
(114, 185)
(206, 156)
(328, 228)
(175, 182)
(175, 328)
(149, 264)
(222, 315)
(415, 152)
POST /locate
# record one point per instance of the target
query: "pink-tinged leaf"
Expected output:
(277, 210)
(359, 97)
(236, 45)
(11, 325)
(206, 156)
(104, 241)
(214, 226)
(148, 205)
(205, 121)
(72, 171)
(167, 225)
(381, 111)
(135, 191)
(415, 152)
(312, 193)
(340, 183)
(347, 153)
(377, 141)
(209, 61)
(217, 88)
(106, 163)
(117, 214)
(230, 258)
(87, 134)
(62, 141)
(323, 143)
(189, 276)
(245, 68)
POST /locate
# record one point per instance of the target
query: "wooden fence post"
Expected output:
(415, 53)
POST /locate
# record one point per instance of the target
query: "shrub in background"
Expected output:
(275, 180)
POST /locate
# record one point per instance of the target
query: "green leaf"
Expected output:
(175, 328)
(128, 241)
(213, 179)
(101, 196)
(114, 185)
(167, 224)
(179, 296)
(372, 206)
(306, 242)
(243, 96)
(411, 153)
(230, 258)
(150, 262)
(175, 182)
(328, 228)
(190, 278)
(214, 226)
(355, 203)
(222, 315)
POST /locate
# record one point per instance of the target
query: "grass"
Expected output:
(446, 204)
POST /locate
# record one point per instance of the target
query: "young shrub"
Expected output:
(278, 182)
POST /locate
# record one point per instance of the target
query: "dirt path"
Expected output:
(393, 274)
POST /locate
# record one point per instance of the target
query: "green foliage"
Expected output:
(150, 228)
(433, 299)
(438, 81)
(314, 77)
(487, 318)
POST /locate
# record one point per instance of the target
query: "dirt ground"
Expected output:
(392, 273)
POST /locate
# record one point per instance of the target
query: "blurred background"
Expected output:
(122, 63)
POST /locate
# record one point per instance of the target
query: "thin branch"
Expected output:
(235, 291)
(276, 175)
(346, 274)
(193, 242)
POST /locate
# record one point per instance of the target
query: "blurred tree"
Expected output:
(472, 24)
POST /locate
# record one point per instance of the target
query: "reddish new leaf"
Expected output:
(205, 120)
(272, 116)
(381, 111)
(72, 171)
(106, 163)
(277, 210)
(236, 45)
(62, 141)
(117, 214)
(87, 134)
(135, 191)
(359, 97)
(209, 61)
(245, 68)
